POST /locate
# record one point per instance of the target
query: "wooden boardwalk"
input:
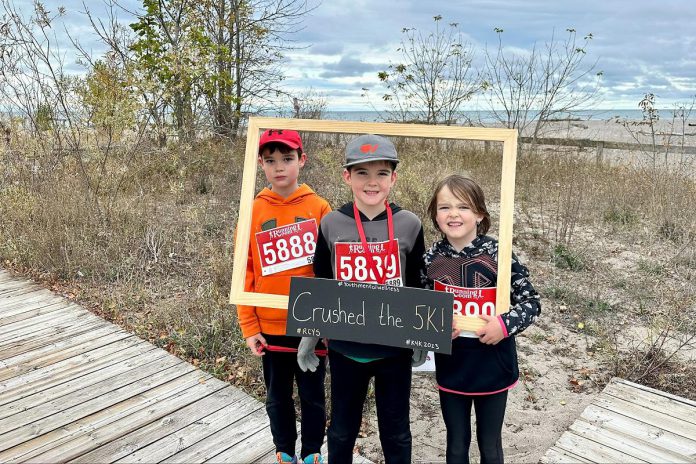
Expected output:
(74, 387)
(630, 423)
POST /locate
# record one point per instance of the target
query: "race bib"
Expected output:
(469, 301)
(287, 247)
(352, 263)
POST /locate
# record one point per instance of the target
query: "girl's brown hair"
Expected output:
(469, 192)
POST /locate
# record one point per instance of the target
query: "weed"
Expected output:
(615, 215)
(650, 267)
(558, 292)
(596, 305)
(565, 258)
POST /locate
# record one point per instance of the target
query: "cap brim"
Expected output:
(294, 146)
(392, 160)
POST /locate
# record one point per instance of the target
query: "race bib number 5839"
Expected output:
(354, 265)
(287, 247)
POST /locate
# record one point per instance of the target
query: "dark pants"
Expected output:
(490, 412)
(280, 370)
(349, 383)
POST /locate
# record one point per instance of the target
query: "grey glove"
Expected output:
(419, 357)
(306, 358)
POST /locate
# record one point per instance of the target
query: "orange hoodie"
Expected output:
(275, 211)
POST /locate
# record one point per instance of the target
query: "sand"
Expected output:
(669, 137)
(539, 409)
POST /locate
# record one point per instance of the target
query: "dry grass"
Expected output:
(153, 250)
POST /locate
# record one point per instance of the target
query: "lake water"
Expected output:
(489, 117)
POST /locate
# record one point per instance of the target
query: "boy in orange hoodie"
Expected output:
(284, 227)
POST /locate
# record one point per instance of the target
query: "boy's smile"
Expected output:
(370, 183)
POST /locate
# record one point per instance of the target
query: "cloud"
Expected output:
(639, 46)
(348, 67)
(327, 49)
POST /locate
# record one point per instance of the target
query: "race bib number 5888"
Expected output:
(287, 247)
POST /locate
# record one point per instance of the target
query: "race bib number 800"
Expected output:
(287, 247)
(352, 263)
(470, 301)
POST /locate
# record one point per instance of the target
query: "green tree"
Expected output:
(171, 50)
(44, 117)
(223, 55)
(109, 98)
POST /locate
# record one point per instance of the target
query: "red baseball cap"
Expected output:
(289, 138)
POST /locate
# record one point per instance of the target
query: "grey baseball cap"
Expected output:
(368, 148)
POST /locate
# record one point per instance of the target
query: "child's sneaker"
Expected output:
(285, 458)
(313, 459)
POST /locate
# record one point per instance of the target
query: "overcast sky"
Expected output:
(640, 45)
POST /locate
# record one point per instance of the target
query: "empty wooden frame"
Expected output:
(507, 193)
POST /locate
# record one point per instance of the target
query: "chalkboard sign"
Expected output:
(371, 313)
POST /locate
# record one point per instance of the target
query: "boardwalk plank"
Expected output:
(113, 389)
(75, 342)
(38, 300)
(679, 409)
(34, 323)
(561, 456)
(37, 340)
(657, 419)
(665, 394)
(54, 308)
(593, 450)
(63, 417)
(251, 448)
(636, 428)
(61, 321)
(195, 432)
(12, 298)
(64, 352)
(11, 284)
(54, 374)
(168, 424)
(137, 410)
(236, 437)
(40, 307)
(80, 384)
(59, 326)
(628, 423)
(83, 444)
(626, 444)
(75, 387)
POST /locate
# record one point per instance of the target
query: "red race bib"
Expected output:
(352, 263)
(470, 301)
(287, 247)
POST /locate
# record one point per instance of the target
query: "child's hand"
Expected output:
(306, 358)
(256, 343)
(492, 332)
(455, 331)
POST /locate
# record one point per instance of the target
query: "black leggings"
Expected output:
(349, 384)
(490, 412)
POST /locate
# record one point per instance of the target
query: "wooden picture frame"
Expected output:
(507, 193)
